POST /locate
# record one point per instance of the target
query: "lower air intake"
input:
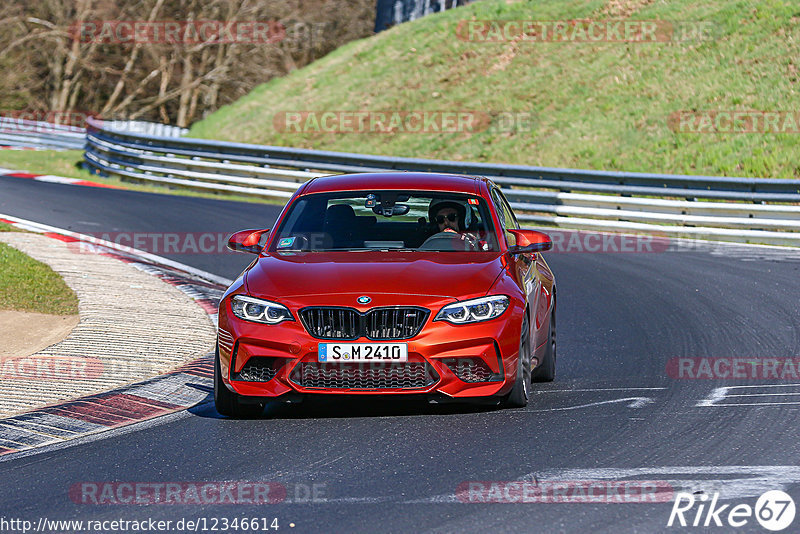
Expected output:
(258, 369)
(472, 370)
(409, 375)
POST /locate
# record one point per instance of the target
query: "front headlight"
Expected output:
(259, 311)
(473, 311)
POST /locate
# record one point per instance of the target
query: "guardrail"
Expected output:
(23, 133)
(142, 127)
(736, 209)
(17, 132)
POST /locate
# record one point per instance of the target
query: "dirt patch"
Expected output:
(26, 333)
(505, 59)
(624, 8)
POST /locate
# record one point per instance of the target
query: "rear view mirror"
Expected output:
(389, 211)
(530, 241)
(247, 241)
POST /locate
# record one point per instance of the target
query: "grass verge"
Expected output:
(32, 286)
(593, 105)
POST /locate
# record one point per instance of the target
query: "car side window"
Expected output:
(513, 223)
(506, 216)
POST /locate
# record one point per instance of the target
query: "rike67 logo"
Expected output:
(774, 510)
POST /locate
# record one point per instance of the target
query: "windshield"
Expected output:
(387, 220)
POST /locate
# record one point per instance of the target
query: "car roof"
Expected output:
(410, 181)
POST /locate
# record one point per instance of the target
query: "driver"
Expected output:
(450, 216)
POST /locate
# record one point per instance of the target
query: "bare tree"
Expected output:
(56, 65)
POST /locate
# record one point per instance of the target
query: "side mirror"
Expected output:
(530, 241)
(247, 241)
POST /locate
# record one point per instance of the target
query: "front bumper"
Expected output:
(457, 361)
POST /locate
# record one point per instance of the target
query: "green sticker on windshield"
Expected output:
(286, 242)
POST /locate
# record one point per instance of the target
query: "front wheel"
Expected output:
(226, 401)
(518, 396)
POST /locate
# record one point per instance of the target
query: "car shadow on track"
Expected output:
(347, 407)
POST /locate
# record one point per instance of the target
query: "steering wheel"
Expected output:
(450, 242)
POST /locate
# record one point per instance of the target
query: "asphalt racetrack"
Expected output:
(614, 413)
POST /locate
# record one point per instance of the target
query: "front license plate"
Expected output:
(362, 352)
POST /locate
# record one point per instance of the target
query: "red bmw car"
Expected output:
(388, 284)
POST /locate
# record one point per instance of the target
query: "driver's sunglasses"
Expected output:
(450, 217)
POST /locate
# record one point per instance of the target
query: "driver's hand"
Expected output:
(470, 242)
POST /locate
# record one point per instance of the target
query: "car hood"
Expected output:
(442, 274)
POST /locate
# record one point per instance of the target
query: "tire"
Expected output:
(518, 396)
(227, 402)
(546, 371)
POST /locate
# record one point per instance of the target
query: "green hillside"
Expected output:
(592, 105)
